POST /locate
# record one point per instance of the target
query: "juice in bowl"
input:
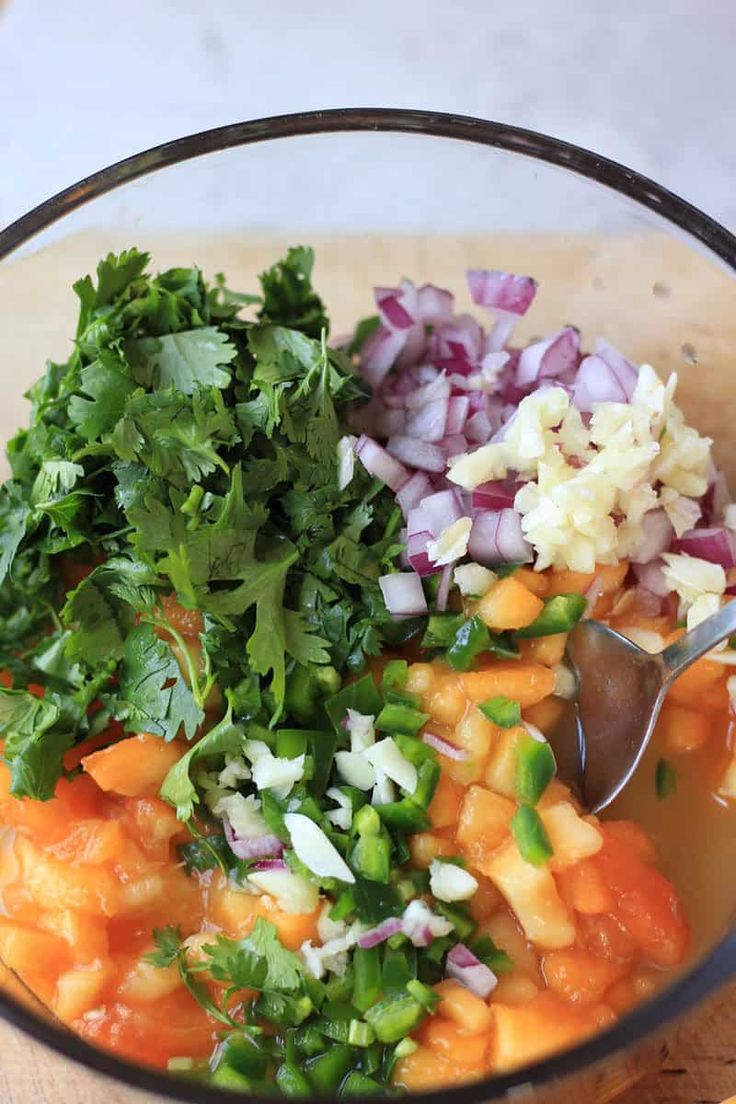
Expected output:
(284, 665)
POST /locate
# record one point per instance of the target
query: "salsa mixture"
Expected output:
(283, 630)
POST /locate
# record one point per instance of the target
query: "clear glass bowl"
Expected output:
(381, 194)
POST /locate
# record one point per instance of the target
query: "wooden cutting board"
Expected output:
(650, 295)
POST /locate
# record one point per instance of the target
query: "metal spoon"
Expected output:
(620, 693)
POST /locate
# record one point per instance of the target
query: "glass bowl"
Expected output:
(381, 194)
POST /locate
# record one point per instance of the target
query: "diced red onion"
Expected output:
(716, 498)
(437, 387)
(423, 373)
(270, 864)
(651, 577)
(554, 358)
(439, 510)
(377, 461)
(595, 383)
(434, 305)
(413, 491)
(463, 966)
(393, 313)
(457, 413)
(443, 591)
(647, 602)
(418, 556)
(444, 748)
(655, 537)
(497, 494)
(418, 454)
(626, 373)
(458, 341)
(403, 594)
(379, 353)
(715, 545)
(379, 934)
(497, 537)
(478, 428)
(251, 847)
(427, 423)
(501, 290)
(455, 445)
(606, 376)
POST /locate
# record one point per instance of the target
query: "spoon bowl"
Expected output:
(621, 688)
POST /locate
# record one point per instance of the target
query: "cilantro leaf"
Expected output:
(115, 273)
(33, 745)
(302, 642)
(259, 961)
(168, 945)
(288, 296)
(108, 385)
(184, 360)
(15, 513)
(178, 788)
(153, 694)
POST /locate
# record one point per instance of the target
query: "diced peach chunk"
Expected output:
(532, 894)
(509, 605)
(134, 767)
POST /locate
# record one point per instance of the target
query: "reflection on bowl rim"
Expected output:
(719, 966)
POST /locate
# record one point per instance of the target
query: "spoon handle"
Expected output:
(678, 657)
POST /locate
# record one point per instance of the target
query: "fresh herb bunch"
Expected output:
(181, 449)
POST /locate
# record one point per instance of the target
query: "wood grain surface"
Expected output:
(652, 296)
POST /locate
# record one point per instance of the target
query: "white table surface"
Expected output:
(84, 82)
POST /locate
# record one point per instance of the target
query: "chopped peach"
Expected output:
(509, 605)
(134, 767)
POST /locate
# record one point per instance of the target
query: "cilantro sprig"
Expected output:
(185, 449)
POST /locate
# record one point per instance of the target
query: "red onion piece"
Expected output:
(497, 537)
(651, 577)
(379, 934)
(497, 494)
(655, 537)
(427, 423)
(439, 510)
(380, 353)
(501, 290)
(606, 376)
(379, 463)
(457, 413)
(253, 847)
(458, 341)
(270, 864)
(715, 545)
(554, 358)
(434, 305)
(716, 498)
(626, 373)
(647, 602)
(444, 748)
(478, 428)
(402, 592)
(463, 966)
(424, 391)
(454, 445)
(418, 454)
(418, 556)
(443, 591)
(393, 313)
(413, 491)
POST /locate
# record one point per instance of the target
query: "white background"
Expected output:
(647, 82)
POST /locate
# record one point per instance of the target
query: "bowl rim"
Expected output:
(705, 977)
(529, 143)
